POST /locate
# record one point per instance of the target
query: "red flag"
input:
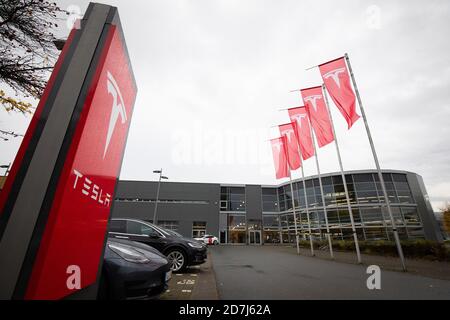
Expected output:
(287, 130)
(337, 81)
(279, 157)
(318, 114)
(303, 131)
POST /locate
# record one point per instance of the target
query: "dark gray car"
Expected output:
(132, 270)
(181, 251)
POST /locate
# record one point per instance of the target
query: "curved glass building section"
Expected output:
(368, 207)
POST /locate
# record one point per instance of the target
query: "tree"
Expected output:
(446, 218)
(27, 49)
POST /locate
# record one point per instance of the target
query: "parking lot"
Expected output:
(271, 272)
(196, 283)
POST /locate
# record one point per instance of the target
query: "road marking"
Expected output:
(186, 290)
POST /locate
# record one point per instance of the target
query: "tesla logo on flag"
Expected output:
(288, 133)
(278, 146)
(312, 100)
(335, 75)
(118, 107)
(298, 118)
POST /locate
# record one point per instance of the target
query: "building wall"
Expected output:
(190, 202)
(431, 226)
(194, 202)
(253, 202)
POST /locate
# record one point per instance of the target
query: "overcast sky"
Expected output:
(212, 75)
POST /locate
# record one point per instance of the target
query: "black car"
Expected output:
(182, 252)
(132, 270)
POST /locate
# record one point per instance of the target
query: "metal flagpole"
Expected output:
(377, 164)
(306, 204)
(295, 215)
(323, 197)
(349, 207)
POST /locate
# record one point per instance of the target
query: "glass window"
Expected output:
(363, 177)
(349, 178)
(236, 229)
(134, 227)
(386, 177)
(326, 181)
(333, 218)
(365, 186)
(316, 182)
(411, 217)
(271, 221)
(198, 229)
(372, 216)
(337, 179)
(397, 177)
(401, 186)
(404, 196)
(171, 225)
(375, 233)
(415, 233)
(367, 197)
(344, 216)
(117, 226)
(237, 205)
(223, 205)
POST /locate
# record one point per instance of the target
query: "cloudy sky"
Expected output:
(212, 75)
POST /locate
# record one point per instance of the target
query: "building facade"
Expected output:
(257, 214)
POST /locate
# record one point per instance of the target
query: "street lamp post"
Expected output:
(155, 222)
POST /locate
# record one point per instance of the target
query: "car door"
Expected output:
(140, 232)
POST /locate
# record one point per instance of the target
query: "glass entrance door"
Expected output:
(254, 237)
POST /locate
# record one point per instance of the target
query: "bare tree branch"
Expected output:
(27, 51)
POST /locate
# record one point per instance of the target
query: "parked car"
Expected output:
(181, 251)
(208, 239)
(132, 270)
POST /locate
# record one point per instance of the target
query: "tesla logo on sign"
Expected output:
(117, 108)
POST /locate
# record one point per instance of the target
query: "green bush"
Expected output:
(419, 248)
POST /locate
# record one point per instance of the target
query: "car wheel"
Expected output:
(178, 259)
(216, 242)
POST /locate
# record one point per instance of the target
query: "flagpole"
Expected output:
(293, 209)
(349, 207)
(306, 205)
(377, 164)
(323, 197)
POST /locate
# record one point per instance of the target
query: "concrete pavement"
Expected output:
(266, 272)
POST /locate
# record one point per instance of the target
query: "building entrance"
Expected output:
(254, 237)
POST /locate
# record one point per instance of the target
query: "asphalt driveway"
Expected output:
(268, 272)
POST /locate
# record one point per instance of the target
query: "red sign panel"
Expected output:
(77, 222)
